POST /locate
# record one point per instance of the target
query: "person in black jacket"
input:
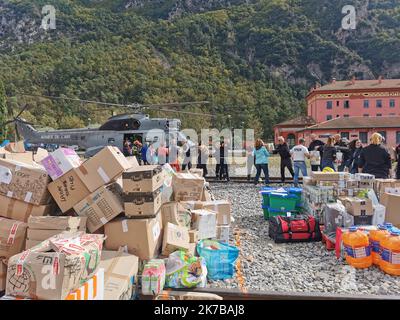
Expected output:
(342, 145)
(315, 145)
(286, 159)
(375, 159)
(355, 151)
(397, 153)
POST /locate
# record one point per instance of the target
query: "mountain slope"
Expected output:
(254, 59)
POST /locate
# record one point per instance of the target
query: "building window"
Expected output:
(329, 104)
(383, 134)
(392, 103)
(366, 115)
(392, 114)
(379, 103)
(398, 137)
(337, 116)
(345, 135)
(345, 116)
(291, 140)
(328, 117)
(366, 104)
(347, 104)
(337, 103)
(363, 136)
(379, 114)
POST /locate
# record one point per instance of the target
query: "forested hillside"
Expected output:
(255, 60)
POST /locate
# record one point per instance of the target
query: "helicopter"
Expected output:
(135, 126)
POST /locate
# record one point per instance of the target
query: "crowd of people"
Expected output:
(335, 154)
(181, 157)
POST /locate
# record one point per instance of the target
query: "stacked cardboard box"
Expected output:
(142, 191)
(120, 274)
(80, 182)
(43, 228)
(55, 268)
(361, 209)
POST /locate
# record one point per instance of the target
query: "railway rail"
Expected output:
(273, 180)
(233, 294)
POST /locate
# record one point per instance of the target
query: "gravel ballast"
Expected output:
(302, 267)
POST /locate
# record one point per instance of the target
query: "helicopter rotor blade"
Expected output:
(188, 112)
(22, 111)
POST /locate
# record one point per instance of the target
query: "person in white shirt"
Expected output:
(299, 154)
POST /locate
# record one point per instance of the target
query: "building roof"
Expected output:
(361, 84)
(357, 123)
(356, 86)
(299, 121)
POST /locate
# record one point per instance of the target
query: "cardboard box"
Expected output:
(175, 213)
(329, 176)
(207, 195)
(187, 187)
(382, 185)
(205, 222)
(198, 172)
(18, 146)
(12, 237)
(43, 234)
(29, 244)
(68, 190)
(142, 204)
(379, 214)
(19, 210)
(24, 182)
(54, 223)
(103, 168)
(40, 155)
(193, 236)
(392, 204)
(142, 237)
(175, 238)
(222, 208)
(60, 162)
(56, 267)
(223, 233)
(3, 276)
(358, 207)
(143, 179)
(101, 206)
(24, 157)
(93, 289)
(120, 274)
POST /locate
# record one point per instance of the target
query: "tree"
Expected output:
(3, 111)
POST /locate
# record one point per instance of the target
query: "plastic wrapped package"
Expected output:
(185, 271)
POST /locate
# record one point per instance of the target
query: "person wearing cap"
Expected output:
(375, 159)
(299, 154)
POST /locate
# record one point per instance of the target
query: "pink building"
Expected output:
(354, 98)
(356, 128)
(354, 109)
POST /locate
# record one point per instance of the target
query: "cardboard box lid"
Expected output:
(101, 206)
(44, 234)
(40, 155)
(103, 168)
(329, 176)
(68, 190)
(24, 157)
(141, 236)
(18, 146)
(139, 173)
(120, 270)
(54, 223)
(141, 197)
(19, 210)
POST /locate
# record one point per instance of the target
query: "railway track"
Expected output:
(233, 294)
(273, 180)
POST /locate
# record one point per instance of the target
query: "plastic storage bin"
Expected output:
(282, 201)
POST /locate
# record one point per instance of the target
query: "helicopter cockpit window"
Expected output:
(121, 125)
